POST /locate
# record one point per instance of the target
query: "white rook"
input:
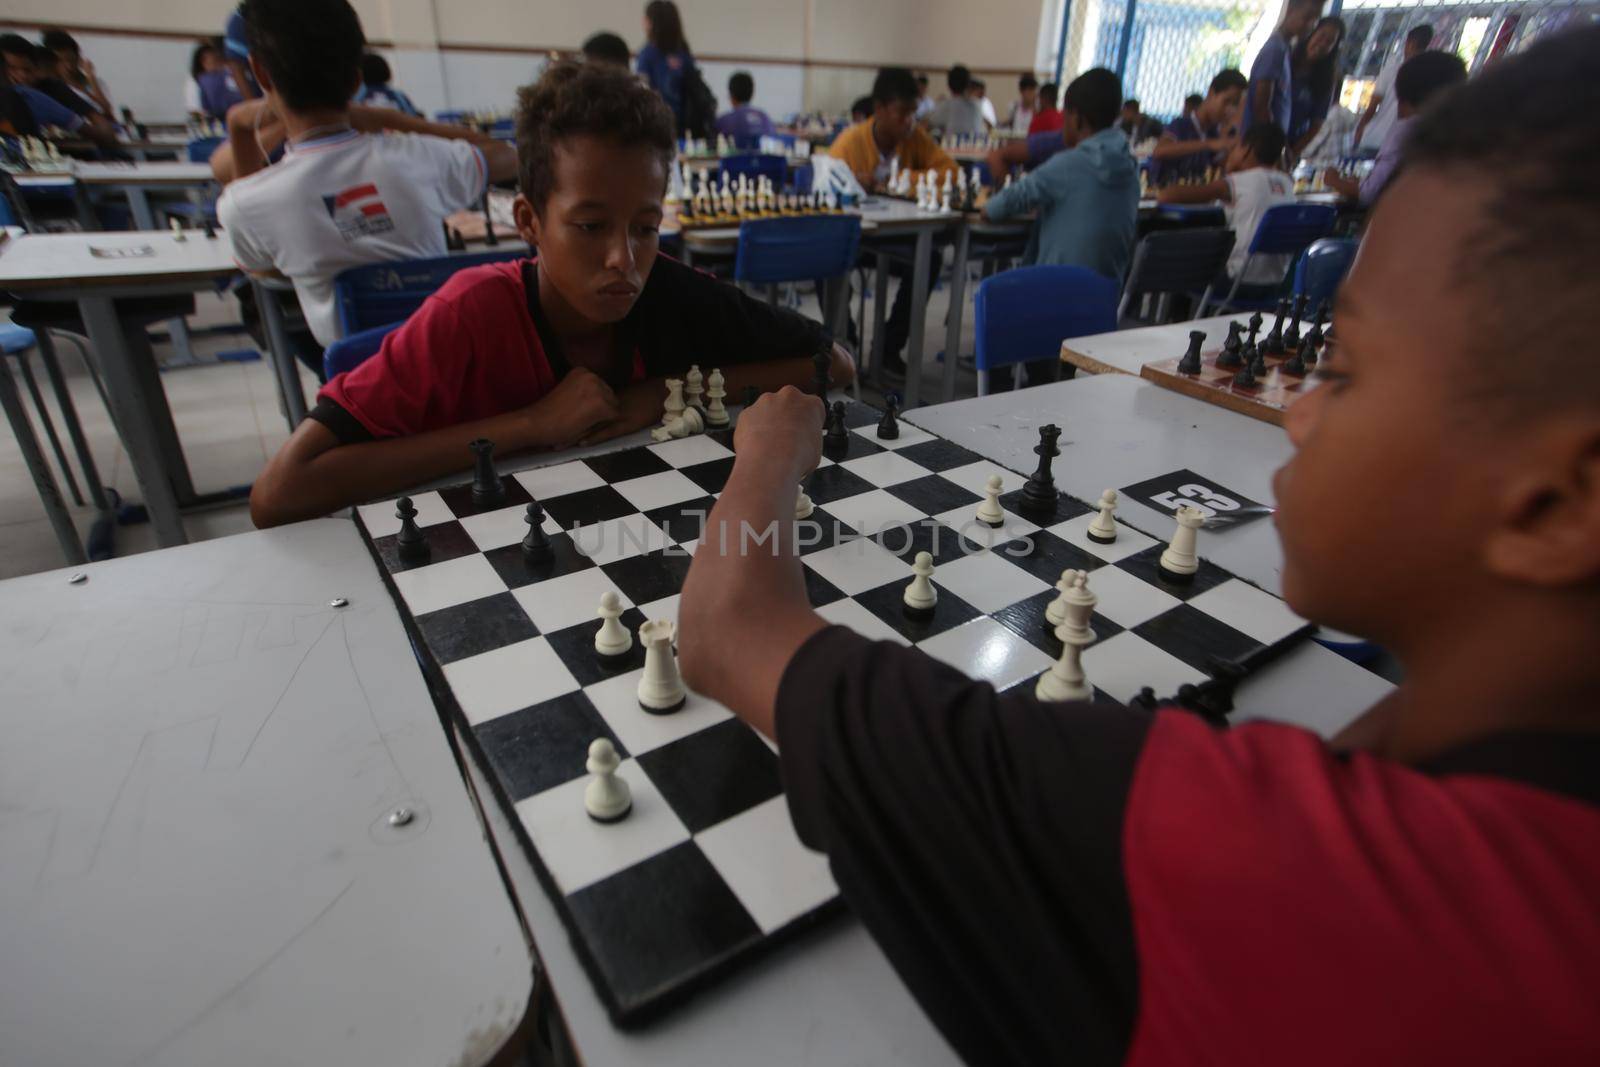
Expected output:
(661, 686)
(1179, 560)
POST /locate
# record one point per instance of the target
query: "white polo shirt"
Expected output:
(1253, 192)
(344, 201)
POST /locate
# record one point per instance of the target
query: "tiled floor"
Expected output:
(228, 419)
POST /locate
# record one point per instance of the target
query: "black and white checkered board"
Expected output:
(706, 869)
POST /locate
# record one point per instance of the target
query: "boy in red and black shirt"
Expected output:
(1102, 885)
(570, 347)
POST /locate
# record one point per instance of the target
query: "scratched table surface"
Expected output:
(199, 758)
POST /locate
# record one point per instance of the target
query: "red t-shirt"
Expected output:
(480, 346)
(1102, 885)
(1047, 121)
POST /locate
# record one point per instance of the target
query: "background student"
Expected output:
(665, 60)
(745, 124)
(376, 90)
(1315, 71)
(1421, 78)
(1025, 106)
(1270, 97)
(1192, 144)
(958, 114)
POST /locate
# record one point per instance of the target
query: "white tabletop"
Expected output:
(168, 173)
(200, 758)
(1126, 351)
(40, 262)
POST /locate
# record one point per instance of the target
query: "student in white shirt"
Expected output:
(340, 197)
(1253, 181)
(1383, 107)
(980, 93)
(957, 113)
(1026, 106)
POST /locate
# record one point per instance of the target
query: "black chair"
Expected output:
(1175, 261)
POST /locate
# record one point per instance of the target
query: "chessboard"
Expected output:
(705, 872)
(1266, 395)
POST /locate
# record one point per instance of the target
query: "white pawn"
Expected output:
(989, 512)
(660, 686)
(688, 422)
(920, 595)
(1056, 613)
(802, 505)
(674, 404)
(1103, 530)
(1179, 560)
(694, 388)
(607, 797)
(613, 638)
(177, 230)
(716, 413)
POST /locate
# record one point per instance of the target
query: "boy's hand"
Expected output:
(572, 410)
(781, 433)
(639, 405)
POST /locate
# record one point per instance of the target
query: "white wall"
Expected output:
(803, 54)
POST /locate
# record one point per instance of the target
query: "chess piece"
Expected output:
(487, 489)
(674, 405)
(606, 798)
(660, 686)
(1258, 366)
(1231, 348)
(716, 413)
(888, 428)
(689, 421)
(1190, 363)
(1056, 612)
(1316, 325)
(1308, 349)
(210, 228)
(920, 596)
(410, 543)
(1291, 336)
(1103, 530)
(1065, 679)
(1246, 378)
(1273, 345)
(613, 638)
(177, 231)
(802, 505)
(1039, 492)
(1179, 562)
(536, 545)
(989, 512)
(694, 388)
(835, 437)
(1296, 364)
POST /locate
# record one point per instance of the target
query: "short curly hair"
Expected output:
(575, 99)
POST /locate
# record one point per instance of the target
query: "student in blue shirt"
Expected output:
(745, 124)
(375, 89)
(1192, 144)
(1086, 196)
(27, 77)
(666, 61)
(1270, 97)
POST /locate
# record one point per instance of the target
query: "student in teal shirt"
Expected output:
(1087, 195)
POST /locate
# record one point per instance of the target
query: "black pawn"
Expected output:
(888, 428)
(1250, 350)
(1316, 326)
(835, 438)
(1296, 363)
(490, 238)
(1258, 366)
(210, 227)
(1308, 350)
(413, 547)
(1245, 379)
(535, 546)
(1039, 491)
(1231, 349)
(486, 488)
(1291, 336)
(1190, 363)
(1273, 345)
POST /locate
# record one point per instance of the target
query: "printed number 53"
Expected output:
(1203, 497)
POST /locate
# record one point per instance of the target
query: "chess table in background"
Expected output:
(1268, 400)
(706, 871)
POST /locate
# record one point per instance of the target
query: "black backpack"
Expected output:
(699, 105)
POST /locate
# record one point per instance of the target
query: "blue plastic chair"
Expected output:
(503, 130)
(348, 353)
(757, 166)
(382, 293)
(199, 150)
(1320, 271)
(1284, 230)
(1024, 314)
(791, 250)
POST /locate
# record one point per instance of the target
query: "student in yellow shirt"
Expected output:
(870, 149)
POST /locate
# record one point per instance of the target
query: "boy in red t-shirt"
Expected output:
(568, 348)
(1102, 885)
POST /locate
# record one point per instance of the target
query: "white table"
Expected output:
(201, 759)
(1118, 430)
(63, 267)
(1126, 351)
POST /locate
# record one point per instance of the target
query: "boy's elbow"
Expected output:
(267, 506)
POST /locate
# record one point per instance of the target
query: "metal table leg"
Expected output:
(145, 219)
(880, 314)
(69, 414)
(921, 265)
(132, 406)
(43, 480)
(281, 352)
(958, 305)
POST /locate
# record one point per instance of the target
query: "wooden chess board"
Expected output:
(1267, 401)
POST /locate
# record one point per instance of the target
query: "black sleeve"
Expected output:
(979, 838)
(345, 426)
(686, 316)
(62, 94)
(15, 111)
